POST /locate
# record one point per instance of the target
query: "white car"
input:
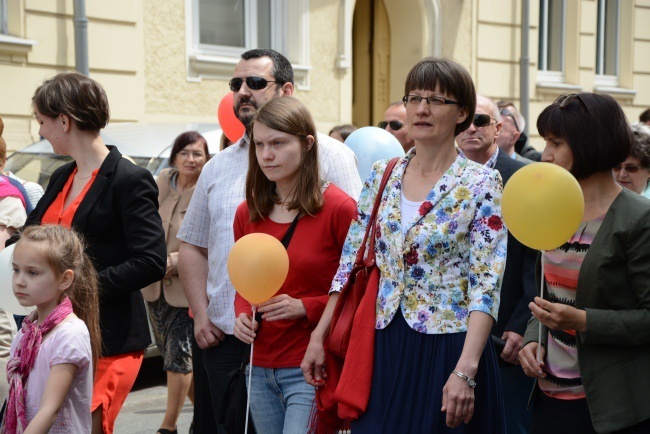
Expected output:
(147, 144)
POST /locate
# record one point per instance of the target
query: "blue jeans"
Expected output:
(281, 400)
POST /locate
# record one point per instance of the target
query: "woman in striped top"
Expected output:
(595, 315)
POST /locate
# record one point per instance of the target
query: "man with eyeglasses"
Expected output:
(395, 123)
(522, 147)
(509, 135)
(206, 233)
(479, 144)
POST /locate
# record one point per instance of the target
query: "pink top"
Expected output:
(69, 342)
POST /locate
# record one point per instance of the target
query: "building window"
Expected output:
(3, 17)
(551, 39)
(220, 30)
(607, 42)
(226, 25)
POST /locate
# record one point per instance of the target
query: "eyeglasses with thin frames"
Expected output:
(508, 113)
(415, 100)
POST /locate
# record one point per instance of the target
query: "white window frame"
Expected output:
(289, 25)
(544, 75)
(602, 79)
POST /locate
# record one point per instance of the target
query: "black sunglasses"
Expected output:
(481, 120)
(394, 125)
(506, 112)
(253, 83)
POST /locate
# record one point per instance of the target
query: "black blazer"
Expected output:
(119, 221)
(518, 287)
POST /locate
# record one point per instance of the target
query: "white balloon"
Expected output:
(8, 301)
(371, 144)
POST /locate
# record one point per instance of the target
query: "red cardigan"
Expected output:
(314, 254)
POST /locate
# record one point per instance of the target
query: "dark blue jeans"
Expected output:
(219, 362)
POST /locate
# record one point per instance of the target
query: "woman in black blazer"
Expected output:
(114, 205)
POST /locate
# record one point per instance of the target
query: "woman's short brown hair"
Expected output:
(595, 128)
(74, 95)
(449, 77)
(288, 115)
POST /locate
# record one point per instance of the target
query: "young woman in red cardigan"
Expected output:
(283, 184)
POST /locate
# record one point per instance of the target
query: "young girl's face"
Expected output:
(279, 154)
(35, 282)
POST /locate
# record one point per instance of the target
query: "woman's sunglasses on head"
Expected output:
(253, 83)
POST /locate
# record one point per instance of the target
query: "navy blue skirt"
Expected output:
(410, 371)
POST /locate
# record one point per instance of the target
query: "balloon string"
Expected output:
(250, 377)
(541, 326)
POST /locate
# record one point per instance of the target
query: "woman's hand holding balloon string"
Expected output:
(282, 307)
(557, 316)
(528, 360)
(245, 328)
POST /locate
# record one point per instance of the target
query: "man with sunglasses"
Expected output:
(479, 144)
(206, 233)
(395, 123)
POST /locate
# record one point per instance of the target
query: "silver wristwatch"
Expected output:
(471, 383)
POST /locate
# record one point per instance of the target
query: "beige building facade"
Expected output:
(170, 60)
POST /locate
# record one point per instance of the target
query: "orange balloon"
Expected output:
(542, 205)
(258, 265)
(230, 125)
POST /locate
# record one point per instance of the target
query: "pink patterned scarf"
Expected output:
(20, 365)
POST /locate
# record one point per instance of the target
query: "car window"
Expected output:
(35, 167)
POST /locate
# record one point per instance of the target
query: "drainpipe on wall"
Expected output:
(524, 62)
(81, 37)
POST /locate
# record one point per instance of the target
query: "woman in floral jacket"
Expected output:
(441, 250)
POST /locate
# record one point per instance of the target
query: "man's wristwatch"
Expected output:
(471, 383)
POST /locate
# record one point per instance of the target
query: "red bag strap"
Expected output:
(371, 229)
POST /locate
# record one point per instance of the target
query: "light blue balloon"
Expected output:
(371, 144)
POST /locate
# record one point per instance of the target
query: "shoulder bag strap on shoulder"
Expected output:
(370, 228)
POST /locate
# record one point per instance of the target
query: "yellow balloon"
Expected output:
(542, 205)
(258, 265)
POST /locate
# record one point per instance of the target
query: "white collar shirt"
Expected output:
(219, 191)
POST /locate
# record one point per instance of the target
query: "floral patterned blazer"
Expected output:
(452, 258)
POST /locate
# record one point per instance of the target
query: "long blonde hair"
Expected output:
(63, 249)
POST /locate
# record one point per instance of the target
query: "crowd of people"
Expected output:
(460, 343)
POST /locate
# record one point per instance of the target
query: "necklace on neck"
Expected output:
(83, 177)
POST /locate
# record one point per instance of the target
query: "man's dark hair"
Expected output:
(282, 69)
(595, 128)
(645, 117)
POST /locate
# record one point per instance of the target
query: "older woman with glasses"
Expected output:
(440, 250)
(595, 315)
(634, 172)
